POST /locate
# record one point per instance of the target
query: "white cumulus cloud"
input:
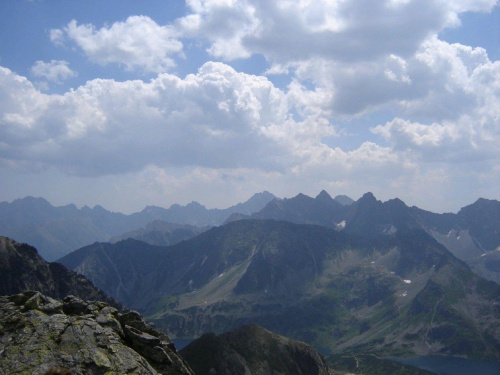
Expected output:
(54, 71)
(216, 118)
(139, 42)
(459, 93)
(426, 110)
(289, 31)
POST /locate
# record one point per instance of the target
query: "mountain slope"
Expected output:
(252, 350)
(22, 269)
(482, 218)
(393, 295)
(472, 233)
(161, 233)
(369, 217)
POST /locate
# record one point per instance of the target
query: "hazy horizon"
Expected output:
(228, 206)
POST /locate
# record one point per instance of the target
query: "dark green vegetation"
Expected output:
(38, 333)
(252, 350)
(398, 295)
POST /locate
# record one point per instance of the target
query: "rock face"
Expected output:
(252, 350)
(38, 333)
(22, 269)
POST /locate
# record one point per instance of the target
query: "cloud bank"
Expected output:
(347, 61)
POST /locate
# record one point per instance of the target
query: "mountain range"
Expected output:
(162, 233)
(56, 231)
(344, 276)
(472, 234)
(42, 335)
(398, 294)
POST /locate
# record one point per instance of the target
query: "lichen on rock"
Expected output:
(39, 333)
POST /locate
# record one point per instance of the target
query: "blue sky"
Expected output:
(127, 103)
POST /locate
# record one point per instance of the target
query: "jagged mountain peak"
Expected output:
(324, 196)
(368, 197)
(480, 205)
(301, 197)
(264, 193)
(195, 204)
(100, 209)
(396, 203)
(261, 198)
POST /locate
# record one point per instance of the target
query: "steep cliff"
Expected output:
(22, 269)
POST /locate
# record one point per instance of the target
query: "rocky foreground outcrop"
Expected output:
(38, 333)
(22, 269)
(253, 350)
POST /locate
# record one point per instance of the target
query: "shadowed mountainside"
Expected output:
(401, 294)
(252, 350)
(473, 234)
(22, 269)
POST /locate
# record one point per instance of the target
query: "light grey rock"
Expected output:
(38, 333)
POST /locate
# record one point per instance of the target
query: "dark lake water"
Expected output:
(452, 366)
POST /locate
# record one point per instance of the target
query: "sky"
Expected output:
(124, 103)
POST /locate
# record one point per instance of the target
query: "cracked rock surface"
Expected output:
(38, 332)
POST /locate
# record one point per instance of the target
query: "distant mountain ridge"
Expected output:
(40, 333)
(162, 233)
(56, 231)
(302, 209)
(472, 234)
(322, 210)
